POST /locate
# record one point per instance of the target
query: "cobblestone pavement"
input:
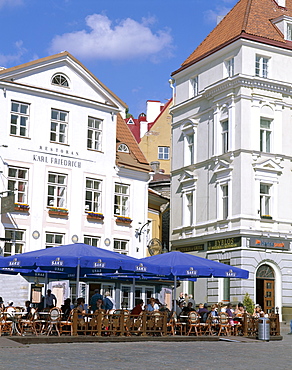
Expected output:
(152, 355)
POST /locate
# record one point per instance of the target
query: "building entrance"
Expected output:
(265, 288)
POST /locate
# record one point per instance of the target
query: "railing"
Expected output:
(250, 325)
(122, 323)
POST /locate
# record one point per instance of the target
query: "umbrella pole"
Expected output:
(174, 295)
(46, 286)
(77, 279)
(134, 290)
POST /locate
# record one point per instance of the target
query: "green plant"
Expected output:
(248, 303)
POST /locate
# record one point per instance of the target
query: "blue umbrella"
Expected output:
(183, 265)
(186, 265)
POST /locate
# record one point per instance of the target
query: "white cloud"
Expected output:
(127, 39)
(6, 60)
(212, 16)
(10, 2)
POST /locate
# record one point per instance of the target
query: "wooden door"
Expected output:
(269, 296)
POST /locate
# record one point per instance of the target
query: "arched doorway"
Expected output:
(265, 288)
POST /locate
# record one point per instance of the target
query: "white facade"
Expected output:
(231, 168)
(58, 151)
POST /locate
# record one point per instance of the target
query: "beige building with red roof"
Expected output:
(232, 154)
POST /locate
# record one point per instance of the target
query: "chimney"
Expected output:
(281, 3)
(155, 166)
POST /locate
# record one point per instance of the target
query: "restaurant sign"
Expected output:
(224, 243)
(190, 248)
(268, 243)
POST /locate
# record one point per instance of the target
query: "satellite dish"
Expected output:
(154, 247)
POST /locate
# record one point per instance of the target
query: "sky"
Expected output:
(132, 46)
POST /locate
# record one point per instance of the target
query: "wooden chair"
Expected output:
(27, 325)
(5, 326)
(194, 323)
(66, 326)
(210, 326)
(171, 324)
(224, 325)
(54, 321)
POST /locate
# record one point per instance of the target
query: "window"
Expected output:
(57, 189)
(224, 190)
(19, 119)
(17, 182)
(225, 133)
(261, 66)
(16, 243)
(60, 80)
(265, 200)
(190, 149)
(265, 135)
(54, 239)
(93, 195)
(163, 152)
(194, 86)
(94, 133)
(121, 246)
(123, 148)
(126, 297)
(59, 126)
(92, 240)
(229, 66)
(189, 209)
(289, 31)
(121, 201)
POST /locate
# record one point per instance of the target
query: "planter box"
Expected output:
(92, 216)
(53, 212)
(122, 220)
(267, 217)
(19, 208)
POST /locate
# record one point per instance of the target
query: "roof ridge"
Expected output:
(246, 15)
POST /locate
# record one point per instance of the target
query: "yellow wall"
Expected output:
(159, 135)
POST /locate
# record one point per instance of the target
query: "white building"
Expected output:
(74, 166)
(232, 153)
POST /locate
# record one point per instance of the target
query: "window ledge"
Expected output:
(21, 137)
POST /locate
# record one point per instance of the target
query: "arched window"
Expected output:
(60, 80)
(123, 148)
(265, 272)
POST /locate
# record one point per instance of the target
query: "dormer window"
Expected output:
(60, 80)
(123, 148)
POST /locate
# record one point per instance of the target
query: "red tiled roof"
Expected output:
(247, 19)
(135, 159)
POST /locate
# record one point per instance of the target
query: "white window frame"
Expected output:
(163, 152)
(93, 195)
(225, 136)
(17, 244)
(92, 240)
(121, 246)
(94, 133)
(229, 67)
(19, 120)
(18, 183)
(59, 126)
(57, 190)
(262, 66)
(266, 196)
(188, 207)
(266, 135)
(57, 239)
(225, 200)
(121, 199)
(194, 86)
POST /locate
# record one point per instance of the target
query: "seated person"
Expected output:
(230, 313)
(152, 305)
(187, 309)
(179, 309)
(138, 308)
(258, 312)
(239, 311)
(27, 309)
(66, 308)
(203, 311)
(80, 307)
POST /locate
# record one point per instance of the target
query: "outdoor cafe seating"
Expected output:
(123, 323)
